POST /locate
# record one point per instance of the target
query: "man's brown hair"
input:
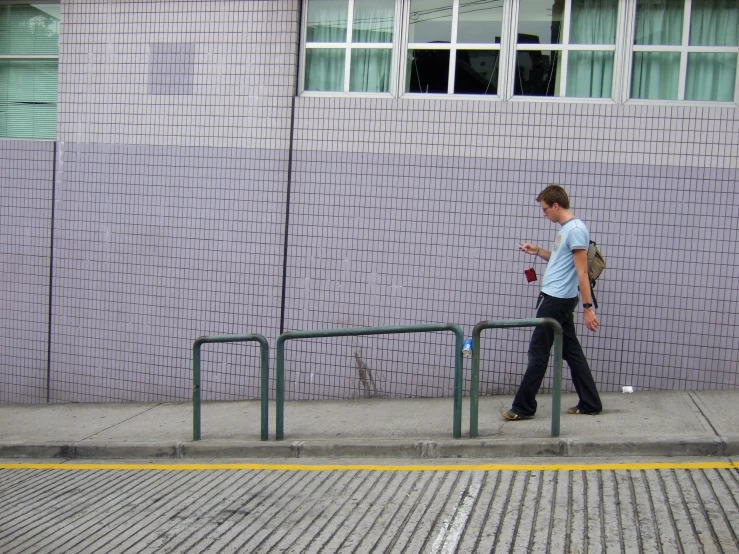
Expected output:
(554, 194)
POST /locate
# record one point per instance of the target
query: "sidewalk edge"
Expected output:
(404, 449)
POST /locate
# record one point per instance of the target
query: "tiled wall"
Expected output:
(26, 177)
(173, 127)
(172, 174)
(423, 237)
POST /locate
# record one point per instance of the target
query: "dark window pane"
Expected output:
(430, 21)
(480, 21)
(540, 21)
(476, 72)
(536, 73)
(428, 71)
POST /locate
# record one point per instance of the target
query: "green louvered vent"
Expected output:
(28, 85)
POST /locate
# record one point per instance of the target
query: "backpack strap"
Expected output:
(592, 294)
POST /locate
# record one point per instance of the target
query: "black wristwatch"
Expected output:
(587, 305)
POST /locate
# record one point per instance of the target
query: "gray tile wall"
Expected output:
(174, 130)
(174, 125)
(380, 239)
(154, 247)
(409, 210)
(26, 169)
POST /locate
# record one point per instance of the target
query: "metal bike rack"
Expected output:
(264, 350)
(350, 332)
(475, 375)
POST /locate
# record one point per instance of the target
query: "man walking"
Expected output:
(567, 268)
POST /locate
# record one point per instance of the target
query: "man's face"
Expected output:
(550, 212)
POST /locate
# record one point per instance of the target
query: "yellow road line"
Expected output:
(359, 467)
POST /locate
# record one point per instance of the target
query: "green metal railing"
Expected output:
(264, 397)
(475, 376)
(350, 332)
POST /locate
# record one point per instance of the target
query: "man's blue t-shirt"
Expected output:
(560, 277)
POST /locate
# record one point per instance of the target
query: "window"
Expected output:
(29, 57)
(605, 50)
(566, 48)
(454, 46)
(349, 45)
(685, 50)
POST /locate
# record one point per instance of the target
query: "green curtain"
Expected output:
(590, 73)
(28, 87)
(327, 20)
(324, 69)
(370, 68)
(712, 76)
(373, 21)
(656, 74)
(714, 23)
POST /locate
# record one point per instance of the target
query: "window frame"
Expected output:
(452, 47)
(622, 64)
(36, 56)
(565, 48)
(684, 49)
(347, 46)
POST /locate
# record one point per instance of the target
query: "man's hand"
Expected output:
(591, 320)
(534, 250)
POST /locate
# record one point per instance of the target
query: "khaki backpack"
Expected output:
(596, 265)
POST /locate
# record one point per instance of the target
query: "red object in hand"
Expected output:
(530, 274)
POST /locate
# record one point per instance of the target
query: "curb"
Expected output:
(408, 449)
(46, 450)
(649, 446)
(731, 443)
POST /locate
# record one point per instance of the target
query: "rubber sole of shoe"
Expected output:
(511, 416)
(578, 411)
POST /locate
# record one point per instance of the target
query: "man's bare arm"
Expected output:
(581, 265)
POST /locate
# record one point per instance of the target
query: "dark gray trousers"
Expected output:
(561, 310)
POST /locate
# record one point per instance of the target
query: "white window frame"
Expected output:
(684, 49)
(452, 47)
(622, 66)
(564, 48)
(348, 46)
(33, 56)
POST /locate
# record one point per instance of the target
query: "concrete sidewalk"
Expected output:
(640, 424)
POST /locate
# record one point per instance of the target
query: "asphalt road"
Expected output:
(675, 506)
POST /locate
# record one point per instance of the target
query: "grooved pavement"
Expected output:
(360, 510)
